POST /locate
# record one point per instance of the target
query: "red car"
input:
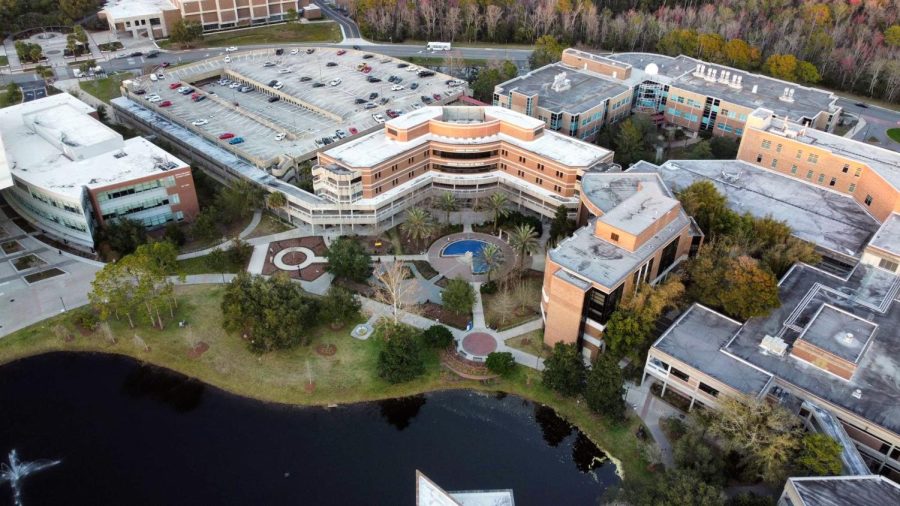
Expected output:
(340, 52)
(437, 97)
(226, 135)
(367, 69)
(391, 113)
(164, 64)
(174, 85)
(353, 130)
(165, 103)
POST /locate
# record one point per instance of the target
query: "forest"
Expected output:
(850, 45)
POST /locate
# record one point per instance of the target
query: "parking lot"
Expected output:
(323, 95)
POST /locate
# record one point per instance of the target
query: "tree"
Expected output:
(547, 50)
(524, 240)
(497, 205)
(125, 235)
(77, 9)
(630, 327)
(400, 359)
(707, 206)
(604, 390)
(674, 488)
(564, 370)
(437, 336)
(174, 234)
(347, 259)
(629, 143)
(892, 36)
(239, 200)
(723, 148)
(748, 289)
(270, 313)
(764, 435)
(185, 32)
(561, 226)
(820, 455)
(276, 200)
(807, 73)
(458, 296)
(501, 362)
(738, 53)
(418, 225)
(291, 16)
(395, 290)
(13, 93)
(339, 306)
(781, 66)
(677, 42)
(492, 256)
(205, 225)
(694, 453)
(701, 151)
(448, 203)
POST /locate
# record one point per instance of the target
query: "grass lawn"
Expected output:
(198, 265)
(4, 60)
(269, 225)
(894, 134)
(107, 88)
(286, 33)
(502, 318)
(435, 61)
(532, 342)
(347, 376)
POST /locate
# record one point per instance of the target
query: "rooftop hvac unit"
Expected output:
(773, 345)
(857, 394)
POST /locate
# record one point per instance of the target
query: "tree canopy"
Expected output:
(400, 359)
(604, 390)
(564, 370)
(339, 306)
(347, 259)
(458, 296)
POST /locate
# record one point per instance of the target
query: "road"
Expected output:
(878, 120)
(348, 27)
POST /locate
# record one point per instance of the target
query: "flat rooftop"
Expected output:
(376, 147)
(679, 71)
(318, 112)
(35, 134)
(841, 334)
(828, 219)
(120, 9)
(846, 490)
(697, 338)
(887, 237)
(586, 89)
(641, 210)
(866, 295)
(883, 161)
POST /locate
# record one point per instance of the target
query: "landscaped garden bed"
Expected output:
(531, 343)
(438, 313)
(10, 247)
(28, 262)
(516, 301)
(425, 269)
(40, 276)
(110, 46)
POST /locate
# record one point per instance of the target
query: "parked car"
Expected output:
(269, 64)
(165, 103)
(180, 89)
(274, 99)
(154, 99)
(152, 53)
(200, 122)
(230, 49)
(367, 69)
(340, 134)
(227, 59)
(412, 68)
(437, 96)
(280, 136)
(164, 64)
(413, 86)
(318, 85)
(862, 104)
(319, 143)
(359, 101)
(305, 79)
(368, 56)
(402, 65)
(136, 54)
(356, 47)
(279, 51)
(187, 91)
(425, 73)
(384, 100)
(391, 113)
(373, 79)
(284, 71)
(295, 51)
(397, 87)
(311, 50)
(139, 92)
(175, 85)
(398, 80)
(196, 97)
(327, 140)
(226, 135)
(392, 79)
(278, 86)
(331, 64)
(370, 105)
(378, 118)
(236, 140)
(373, 96)
(273, 82)
(245, 89)
(341, 52)
(353, 130)
(234, 85)
(426, 99)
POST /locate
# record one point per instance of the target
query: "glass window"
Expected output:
(888, 265)
(868, 200)
(793, 169)
(680, 375)
(852, 187)
(821, 178)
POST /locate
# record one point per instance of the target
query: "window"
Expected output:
(832, 182)
(868, 200)
(540, 166)
(614, 236)
(888, 265)
(708, 389)
(809, 174)
(852, 188)
(391, 131)
(778, 148)
(845, 169)
(521, 159)
(793, 169)
(668, 255)
(759, 158)
(774, 163)
(799, 154)
(680, 375)
(813, 158)
(858, 172)
(557, 188)
(821, 178)
(521, 173)
(539, 180)
(560, 174)
(767, 144)
(599, 305)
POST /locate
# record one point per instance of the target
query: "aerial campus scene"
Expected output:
(450, 253)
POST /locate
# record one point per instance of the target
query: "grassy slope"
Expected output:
(284, 33)
(894, 133)
(348, 376)
(107, 88)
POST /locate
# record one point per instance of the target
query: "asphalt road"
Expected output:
(348, 26)
(878, 120)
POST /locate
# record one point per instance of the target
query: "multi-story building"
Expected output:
(68, 173)
(155, 18)
(695, 95)
(635, 232)
(869, 174)
(839, 491)
(575, 96)
(469, 151)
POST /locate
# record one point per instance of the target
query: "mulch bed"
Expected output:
(315, 243)
(376, 245)
(293, 258)
(198, 350)
(360, 288)
(312, 272)
(326, 350)
(437, 312)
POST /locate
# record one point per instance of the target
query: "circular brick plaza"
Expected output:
(479, 344)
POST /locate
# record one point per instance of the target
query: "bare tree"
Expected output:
(492, 18)
(453, 21)
(395, 290)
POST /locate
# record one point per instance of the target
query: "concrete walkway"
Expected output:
(652, 410)
(257, 217)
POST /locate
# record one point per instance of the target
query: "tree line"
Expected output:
(851, 46)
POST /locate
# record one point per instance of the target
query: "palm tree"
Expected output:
(418, 225)
(497, 205)
(448, 203)
(277, 200)
(524, 240)
(492, 256)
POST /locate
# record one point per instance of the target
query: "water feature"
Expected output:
(469, 248)
(136, 434)
(14, 472)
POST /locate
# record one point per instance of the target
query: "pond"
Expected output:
(460, 248)
(134, 434)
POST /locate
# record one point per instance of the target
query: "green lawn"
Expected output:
(107, 88)
(532, 342)
(4, 60)
(198, 265)
(894, 134)
(285, 33)
(269, 225)
(347, 376)
(440, 60)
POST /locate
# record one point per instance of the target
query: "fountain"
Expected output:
(16, 470)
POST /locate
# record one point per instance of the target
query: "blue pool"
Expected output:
(459, 248)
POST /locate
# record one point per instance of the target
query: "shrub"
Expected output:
(501, 362)
(437, 336)
(174, 233)
(401, 358)
(87, 319)
(458, 296)
(489, 288)
(564, 370)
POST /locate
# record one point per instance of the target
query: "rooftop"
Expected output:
(680, 72)
(641, 210)
(120, 9)
(697, 339)
(828, 219)
(607, 192)
(883, 161)
(887, 237)
(846, 490)
(839, 333)
(53, 144)
(428, 493)
(584, 90)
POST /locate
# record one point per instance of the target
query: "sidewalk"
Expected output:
(652, 410)
(257, 217)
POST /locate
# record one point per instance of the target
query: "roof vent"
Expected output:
(120, 154)
(755, 87)
(845, 338)
(787, 96)
(773, 345)
(857, 394)
(560, 83)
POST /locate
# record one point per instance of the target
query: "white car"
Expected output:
(155, 99)
(284, 71)
(151, 96)
(200, 122)
(412, 68)
(234, 85)
(227, 59)
(280, 136)
(230, 49)
(181, 89)
(335, 82)
(397, 87)
(278, 86)
(378, 118)
(295, 51)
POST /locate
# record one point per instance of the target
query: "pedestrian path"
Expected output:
(257, 217)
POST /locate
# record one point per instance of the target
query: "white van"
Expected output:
(438, 46)
(153, 77)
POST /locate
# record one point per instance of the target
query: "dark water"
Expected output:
(135, 435)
